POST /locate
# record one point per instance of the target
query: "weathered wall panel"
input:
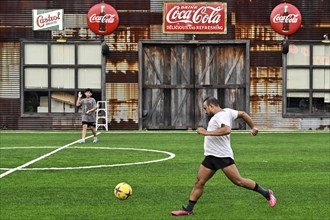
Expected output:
(9, 113)
(123, 105)
(248, 20)
(10, 70)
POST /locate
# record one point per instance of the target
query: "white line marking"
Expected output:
(30, 147)
(171, 156)
(40, 158)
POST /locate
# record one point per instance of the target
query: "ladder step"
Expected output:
(102, 113)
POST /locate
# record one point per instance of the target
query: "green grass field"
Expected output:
(295, 165)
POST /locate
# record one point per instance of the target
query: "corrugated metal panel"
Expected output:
(75, 20)
(314, 124)
(35, 123)
(9, 70)
(123, 105)
(9, 113)
(266, 97)
(273, 121)
(64, 123)
(19, 13)
(266, 103)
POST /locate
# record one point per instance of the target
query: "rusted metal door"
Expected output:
(175, 78)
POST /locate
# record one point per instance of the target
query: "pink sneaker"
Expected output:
(181, 212)
(272, 199)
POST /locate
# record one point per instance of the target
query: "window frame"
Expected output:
(49, 90)
(310, 67)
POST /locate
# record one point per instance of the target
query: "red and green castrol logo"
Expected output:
(285, 19)
(102, 19)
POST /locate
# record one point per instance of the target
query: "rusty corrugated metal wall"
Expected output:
(266, 57)
(142, 19)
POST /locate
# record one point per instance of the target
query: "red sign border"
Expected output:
(107, 8)
(193, 3)
(281, 6)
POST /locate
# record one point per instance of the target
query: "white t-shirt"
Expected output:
(219, 146)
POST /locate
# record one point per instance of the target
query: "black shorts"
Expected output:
(216, 163)
(89, 124)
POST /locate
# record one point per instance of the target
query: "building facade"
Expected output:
(156, 80)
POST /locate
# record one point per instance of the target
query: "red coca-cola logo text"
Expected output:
(285, 19)
(102, 19)
(195, 17)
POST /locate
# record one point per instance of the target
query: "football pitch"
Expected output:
(47, 175)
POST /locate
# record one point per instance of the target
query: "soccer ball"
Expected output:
(123, 191)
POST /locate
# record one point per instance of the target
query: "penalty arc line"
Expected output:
(171, 156)
(40, 158)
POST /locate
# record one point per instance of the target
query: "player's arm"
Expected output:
(78, 99)
(224, 130)
(91, 110)
(249, 121)
(94, 107)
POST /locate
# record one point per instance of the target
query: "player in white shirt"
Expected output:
(219, 154)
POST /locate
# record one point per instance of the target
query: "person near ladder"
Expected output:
(89, 107)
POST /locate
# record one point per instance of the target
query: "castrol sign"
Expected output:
(102, 19)
(47, 19)
(197, 17)
(285, 19)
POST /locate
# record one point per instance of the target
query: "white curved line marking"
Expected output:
(171, 156)
(40, 158)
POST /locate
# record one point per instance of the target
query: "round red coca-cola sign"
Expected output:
(285, 19)
(102, 19)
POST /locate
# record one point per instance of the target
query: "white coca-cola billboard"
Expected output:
(197, 17)
(47, 19)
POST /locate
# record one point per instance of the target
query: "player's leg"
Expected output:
(203, 175)
(233, 174)
(93, 129)
(83, 132)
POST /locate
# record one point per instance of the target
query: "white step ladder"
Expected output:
(102, 115)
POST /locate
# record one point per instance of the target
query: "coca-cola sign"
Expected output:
(285, 19)
(102, 19)
(197, 17)
(47, 19)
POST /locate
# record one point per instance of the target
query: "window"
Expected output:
(307, 80)
(62, 54)
(53, 73)
(62, 78)
(36, 54)
(89, 54)
(89, 78)
(36, 78)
